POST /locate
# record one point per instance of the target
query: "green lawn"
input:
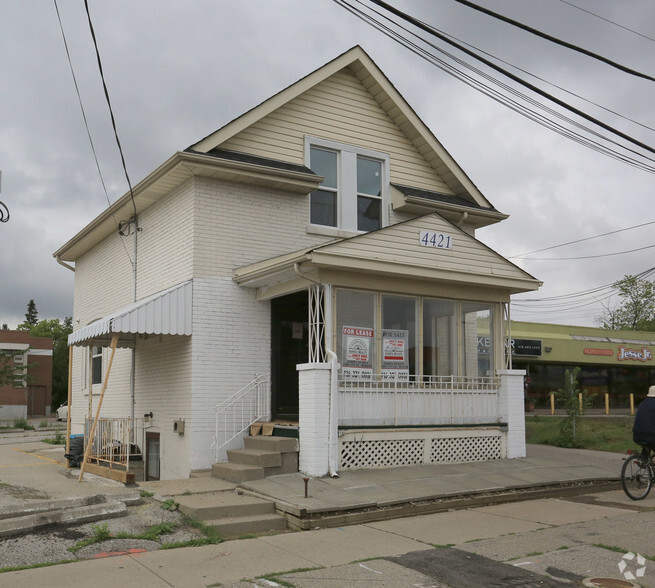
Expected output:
(603, 434)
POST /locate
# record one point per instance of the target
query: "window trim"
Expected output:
(347, 176)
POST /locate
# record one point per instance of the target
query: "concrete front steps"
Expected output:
(233, 514)
(262, 456)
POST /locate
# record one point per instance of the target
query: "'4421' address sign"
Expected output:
(436, 240)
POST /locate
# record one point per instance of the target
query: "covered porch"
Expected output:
(406, 359)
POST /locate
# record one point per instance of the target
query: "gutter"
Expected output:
(60, 262)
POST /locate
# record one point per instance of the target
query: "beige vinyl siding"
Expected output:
(338, 109)
(399, 244)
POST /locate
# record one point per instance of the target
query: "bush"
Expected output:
(22, 424)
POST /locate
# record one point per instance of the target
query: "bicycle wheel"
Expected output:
(636, 477)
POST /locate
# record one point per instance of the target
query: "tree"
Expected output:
(31, 314)
(58, 331)
(636, 311)
(575, 407)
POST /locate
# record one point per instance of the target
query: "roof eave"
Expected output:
(177, 169)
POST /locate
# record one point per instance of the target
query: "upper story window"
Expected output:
(354, 192)
(20, 369)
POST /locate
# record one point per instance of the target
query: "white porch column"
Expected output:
(512, 410)
(314, 417)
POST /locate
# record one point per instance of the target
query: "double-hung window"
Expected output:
(354, 193)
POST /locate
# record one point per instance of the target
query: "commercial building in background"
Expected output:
(616, 363)
(30, 394)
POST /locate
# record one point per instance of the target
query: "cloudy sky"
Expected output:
(176, 71)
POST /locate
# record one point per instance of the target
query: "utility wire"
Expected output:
(607, 20)
(111, 111)
(555, 40)
(79, 99)
(589, 256)
(86, 123)
(536, 77)
(495, 95)
(432, 31)
(581, 240)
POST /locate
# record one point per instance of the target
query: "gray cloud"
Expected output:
(178, 71)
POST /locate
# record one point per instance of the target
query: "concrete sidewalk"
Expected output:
(337, 554)
(392, 493)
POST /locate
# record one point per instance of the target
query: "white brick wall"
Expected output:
(231, 344)
(238, 224)
(163, 385)
(512, 410)
(314, 400)
(165, 243)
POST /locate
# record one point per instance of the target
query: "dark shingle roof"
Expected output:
(439, 197)
(253, 159)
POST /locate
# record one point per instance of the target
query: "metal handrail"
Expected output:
(238, 412)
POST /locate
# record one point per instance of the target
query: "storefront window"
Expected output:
(477, 341)
(379, 334)
(356, 333)
(399, 335)
(439, 338)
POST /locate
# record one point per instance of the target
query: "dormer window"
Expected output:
(353, 194)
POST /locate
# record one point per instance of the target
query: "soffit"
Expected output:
(180, 168)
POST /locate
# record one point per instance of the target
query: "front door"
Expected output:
(289, 347)
(36, 401)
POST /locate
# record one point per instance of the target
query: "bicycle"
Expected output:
(638, 473)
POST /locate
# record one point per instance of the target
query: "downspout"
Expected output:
(462, 220)
(333, 426)
(133, 366)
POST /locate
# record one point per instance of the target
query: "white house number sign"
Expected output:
(436, 240)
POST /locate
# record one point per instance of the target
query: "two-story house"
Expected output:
(313, 262)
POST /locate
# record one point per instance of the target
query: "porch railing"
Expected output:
(237, 413)
(394, 400)
(116, 441)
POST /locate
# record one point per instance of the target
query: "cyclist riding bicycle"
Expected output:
(643, 430)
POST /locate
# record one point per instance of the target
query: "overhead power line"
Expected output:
(432, 31)
(111, 111)
(581, 240)
(555, 40)
(79, 99)
(86, 122)
(549, 119)
(607, 20)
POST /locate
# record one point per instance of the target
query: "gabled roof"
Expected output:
(396, 252)
(387, 97)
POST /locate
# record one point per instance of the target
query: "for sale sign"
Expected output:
(395, 354)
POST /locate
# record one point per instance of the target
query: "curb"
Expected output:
(302, 520)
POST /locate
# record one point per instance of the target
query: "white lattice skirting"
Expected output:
(394, 447)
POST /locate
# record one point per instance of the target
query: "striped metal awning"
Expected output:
(166, 313)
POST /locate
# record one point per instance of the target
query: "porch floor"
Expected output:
(377, 494)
